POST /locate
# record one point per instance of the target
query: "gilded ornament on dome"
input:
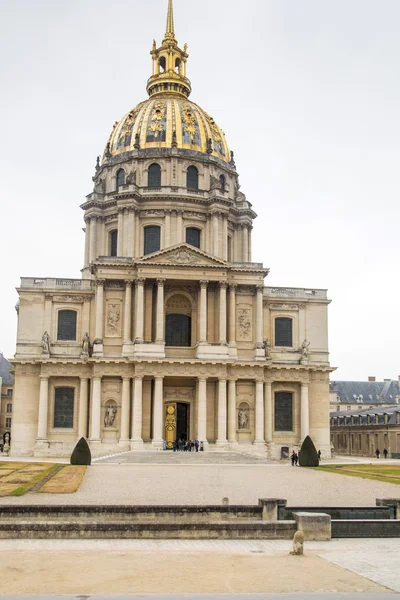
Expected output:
(157, 125)
(190, 126)
(216, 133)
(125, 136)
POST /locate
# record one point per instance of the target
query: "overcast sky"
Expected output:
(308, 94)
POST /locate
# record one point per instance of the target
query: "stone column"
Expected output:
(120, 241)
(179, 226)
(93, 239)
(221, 412)
(127, 343)
(137, 412)
(203, 312)
(224, 237)
(158, 413)
(249, 251)
(232, 316)
(136, 236)
(87, 242)
(125, 405)
(232, 411)
(215, 229)
(268, 412)
(245, 233)
(139, 328)
(131, 227)
(222, 313)
(202, 410)
(259, 345)
(304, 412)
(259, 413)
(98, 341)
(167, 234)
(160, 312)
(83, 408)
(43, 407)
(96, 410)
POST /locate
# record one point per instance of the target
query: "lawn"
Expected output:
(378, 472)
(19, 478)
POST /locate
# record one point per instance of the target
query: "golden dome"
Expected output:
(168, 122)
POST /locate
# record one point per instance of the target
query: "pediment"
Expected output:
(182, 255)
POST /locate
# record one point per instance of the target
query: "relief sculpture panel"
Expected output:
(113, 318)
(244, 323)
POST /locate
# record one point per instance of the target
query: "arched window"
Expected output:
(152, 236)
(222, 182)
(64, 408)
(120, 178)
(283, 411)
(193, 236)
(113, 242)
(178, 330)
(66, 327)
(192, 178)
(154, 175)
(284, 332)
(178, 65)
(162, 64)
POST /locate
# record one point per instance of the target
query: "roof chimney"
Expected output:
(370, 378)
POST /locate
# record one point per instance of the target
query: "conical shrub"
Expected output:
(81, 454)
(308, 455)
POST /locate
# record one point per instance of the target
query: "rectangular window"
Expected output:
(9, 408)
(8, 423)
(283, 332)
(9, 392)
(152, 239)
(64, 408)
(283, 411)
(66, 329)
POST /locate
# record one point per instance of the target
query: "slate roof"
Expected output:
(7, 378)
(366, 392)
(381, 411)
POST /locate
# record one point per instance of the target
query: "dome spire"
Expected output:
(170, 31)
(169, 64)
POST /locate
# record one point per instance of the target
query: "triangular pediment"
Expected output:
(182, 255)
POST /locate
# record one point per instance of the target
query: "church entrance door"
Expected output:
(177, 422)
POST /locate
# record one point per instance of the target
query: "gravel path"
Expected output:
(208, 484)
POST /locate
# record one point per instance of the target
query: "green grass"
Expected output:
(376, 472)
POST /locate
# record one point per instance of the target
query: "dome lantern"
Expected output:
(169, 64)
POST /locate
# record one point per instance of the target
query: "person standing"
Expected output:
(296, 458)
(292, 457)
(319, 454)
(385, 452)
(377, 452)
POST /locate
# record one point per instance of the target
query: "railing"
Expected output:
(52, 283)
(278, 292)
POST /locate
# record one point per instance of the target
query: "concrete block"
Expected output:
(390, 502)
(315, 526)
(270, 508)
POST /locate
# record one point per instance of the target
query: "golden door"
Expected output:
(170, 424)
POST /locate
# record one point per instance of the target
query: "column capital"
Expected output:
(202, 379)
(158, 377)
(138, 377)
(161, 282)
(97, 377)
(84, 378)
(126, 378)
(100, 282)
(140, 281)
(259, 288)
(222, 379)
(233, 287)
(44, 377)
(222, 285)
(203, 283)
(128, 283)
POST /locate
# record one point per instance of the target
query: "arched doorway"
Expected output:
(178, 321)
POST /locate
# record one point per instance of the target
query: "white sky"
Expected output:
(308, 94)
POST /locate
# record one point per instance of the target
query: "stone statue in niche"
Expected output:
(109, 417)
(100, 186)
(243, 418)
(113, 318)
(46, 343)
(86, 344)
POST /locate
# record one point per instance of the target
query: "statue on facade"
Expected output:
(46, 343)
(86, 344)
(243, 418)
(131, 178)
(109, 418)
(154, 45)
(185, 48)
(304, 352)
(100, 186)
(137, 142)
(215, 184)
(267, 348)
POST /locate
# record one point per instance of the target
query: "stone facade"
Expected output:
(171, 330)
(7, 391)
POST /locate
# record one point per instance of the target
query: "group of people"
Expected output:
(378, 453)
(186, 446)
(294, 458)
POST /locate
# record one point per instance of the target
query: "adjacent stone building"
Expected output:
(171, 332)
(357, 395)
(7, 390)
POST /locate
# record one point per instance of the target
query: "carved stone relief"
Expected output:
(179, 394)
(244, 323)
(113, 318)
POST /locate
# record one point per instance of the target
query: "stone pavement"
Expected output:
(214, 567)
(188, 478)
(295, 596)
